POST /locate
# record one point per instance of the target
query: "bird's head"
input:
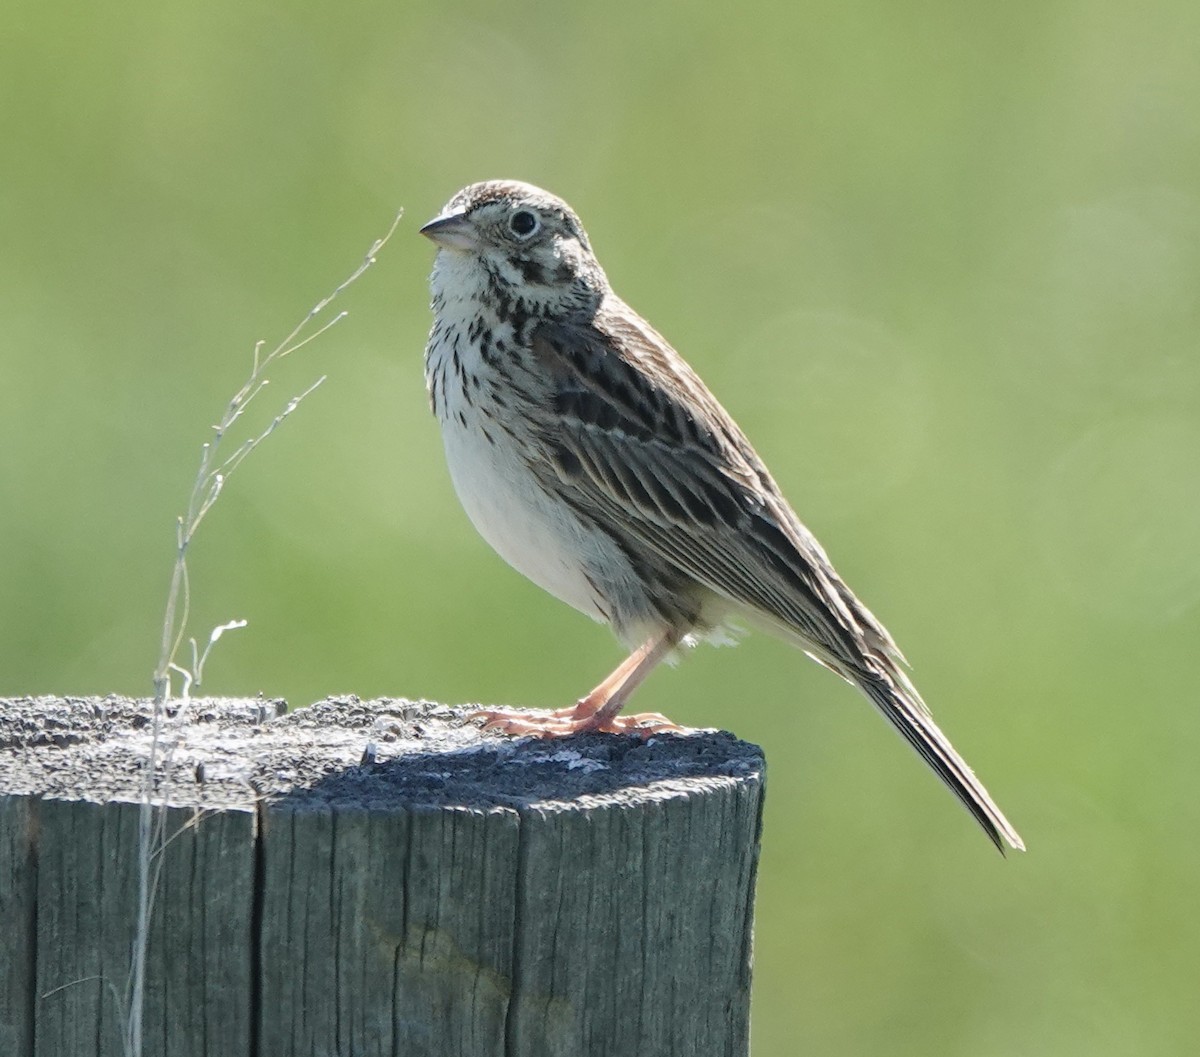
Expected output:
(515, 238)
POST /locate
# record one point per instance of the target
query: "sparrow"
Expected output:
(595, 461)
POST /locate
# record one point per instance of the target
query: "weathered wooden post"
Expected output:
(459, 894)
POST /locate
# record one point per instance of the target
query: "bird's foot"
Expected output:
(563, 722)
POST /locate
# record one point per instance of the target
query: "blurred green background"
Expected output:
(941, 260)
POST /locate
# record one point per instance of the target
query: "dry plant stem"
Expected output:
(211, 477)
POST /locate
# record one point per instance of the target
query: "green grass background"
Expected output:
(940, 259)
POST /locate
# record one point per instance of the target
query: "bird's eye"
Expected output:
(523, 223)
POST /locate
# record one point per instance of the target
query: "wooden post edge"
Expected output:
(373, 877)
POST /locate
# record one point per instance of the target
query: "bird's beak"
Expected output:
(454, 231)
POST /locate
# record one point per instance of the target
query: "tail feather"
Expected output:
(907, 713)
(878, 671)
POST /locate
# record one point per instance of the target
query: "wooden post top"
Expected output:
(373, 877)
(233, 753)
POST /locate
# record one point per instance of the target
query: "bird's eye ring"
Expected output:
(523, 223)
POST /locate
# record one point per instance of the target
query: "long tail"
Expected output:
(905, 710)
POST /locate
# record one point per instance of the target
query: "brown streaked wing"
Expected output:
(676, 479)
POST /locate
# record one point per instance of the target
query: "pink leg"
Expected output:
(598, 710)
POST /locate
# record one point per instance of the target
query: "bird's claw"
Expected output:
(563, 722)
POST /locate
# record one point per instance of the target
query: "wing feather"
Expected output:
(642, 448)
(684, 482)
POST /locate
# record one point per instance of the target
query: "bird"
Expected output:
(593, 459)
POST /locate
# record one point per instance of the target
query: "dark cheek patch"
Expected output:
(531, 271)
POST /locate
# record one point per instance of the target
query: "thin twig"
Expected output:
(210, 480)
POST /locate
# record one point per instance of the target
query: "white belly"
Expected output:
(536, 534)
